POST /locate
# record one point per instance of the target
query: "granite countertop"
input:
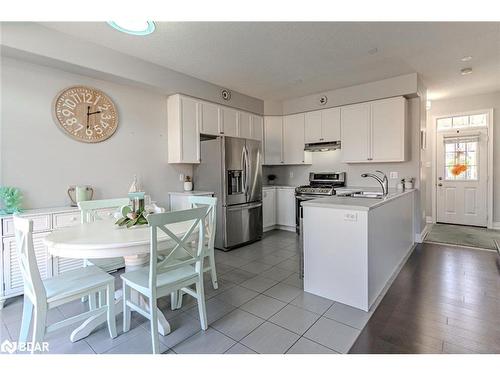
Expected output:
(359, 204)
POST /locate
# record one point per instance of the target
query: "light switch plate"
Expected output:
(394, 175)
(351, 216)
(291, 174)
(181, 177)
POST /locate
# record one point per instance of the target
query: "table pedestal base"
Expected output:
(89, 325)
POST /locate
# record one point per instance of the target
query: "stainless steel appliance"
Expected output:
(320, 185)
(232, 169)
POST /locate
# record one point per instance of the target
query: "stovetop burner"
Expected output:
(322, 183)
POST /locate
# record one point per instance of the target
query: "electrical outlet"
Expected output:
(350, 216)
(394, 175)
(291, 174)
(181, 177)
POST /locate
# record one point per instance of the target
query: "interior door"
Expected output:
(462, 177)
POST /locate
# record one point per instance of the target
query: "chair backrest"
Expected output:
(89, 209)
(33, 286)
(210, 218)
(194, 219)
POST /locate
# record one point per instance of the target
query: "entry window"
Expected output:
(461, 158)
(467, 121)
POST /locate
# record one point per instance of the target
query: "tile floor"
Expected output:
(260, 307)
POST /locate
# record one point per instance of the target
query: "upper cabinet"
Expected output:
(183, 130)
(284, 140)
(322, 126)
(273, 140)
(375, 131)
(229, 123)
(189, 117)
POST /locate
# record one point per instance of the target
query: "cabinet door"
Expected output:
(273, 137)
(313, 127)
(269, 207)
(285, 199)
(355, 130)
(293, 139)
(190, 136)
(244, 124)
(13, 278)
(229, 124)
(257, 125)
(330, 125)
(209, 123)
(388, 129)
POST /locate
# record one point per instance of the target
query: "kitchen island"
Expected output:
(353, 247)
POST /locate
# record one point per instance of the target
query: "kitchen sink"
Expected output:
(367, 194)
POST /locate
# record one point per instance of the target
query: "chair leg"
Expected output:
(102, 298)
(213, 272)
(201, 305)
(110, 300)
(173, 300)
(154, 325)
(180, 295)
(39, 326)
(25, 325)
(127, 313)
(93, 301)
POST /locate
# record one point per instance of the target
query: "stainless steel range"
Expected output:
(320, 185)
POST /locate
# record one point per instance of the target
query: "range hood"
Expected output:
(322, 146)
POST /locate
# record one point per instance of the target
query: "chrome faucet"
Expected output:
(384, 182)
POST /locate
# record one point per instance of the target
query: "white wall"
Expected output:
(464, 104)
(42, 161)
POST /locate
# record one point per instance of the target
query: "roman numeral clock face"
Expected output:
(86, 114)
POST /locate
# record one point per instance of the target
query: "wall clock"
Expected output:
(85, 114)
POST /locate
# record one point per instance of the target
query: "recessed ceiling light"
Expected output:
(465, 71)
(466, 58)
(133, 27)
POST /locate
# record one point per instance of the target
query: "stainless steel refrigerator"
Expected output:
(232, 168)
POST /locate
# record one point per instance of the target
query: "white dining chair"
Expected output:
(209, 242)
(43, 295)
(167, 276)
(90, 212)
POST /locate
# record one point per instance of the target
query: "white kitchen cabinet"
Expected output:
(273, 140)
(322, 126)
(245, 125)
(183, 130)
(293, 140)
(229, 122)
(257, 127)
(269, 208)
(389, 130)
(355, 132)
(285, 207)
(209, 121)
(374, 131)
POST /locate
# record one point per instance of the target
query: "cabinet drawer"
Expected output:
(40, 223)
(66, 220)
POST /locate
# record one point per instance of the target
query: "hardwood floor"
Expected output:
(445, 300)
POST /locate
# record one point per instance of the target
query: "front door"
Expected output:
(462, 177)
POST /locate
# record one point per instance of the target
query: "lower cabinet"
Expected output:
(278, 208)
(269, 208)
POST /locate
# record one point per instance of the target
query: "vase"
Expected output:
(188, 186)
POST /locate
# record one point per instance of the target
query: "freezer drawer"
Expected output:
(243, 223)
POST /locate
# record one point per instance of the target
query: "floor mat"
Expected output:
(464, 236)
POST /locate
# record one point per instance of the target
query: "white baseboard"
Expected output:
(419, 237)
(429, 220)
(279, 227)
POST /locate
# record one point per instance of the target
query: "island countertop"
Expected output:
(349, 203)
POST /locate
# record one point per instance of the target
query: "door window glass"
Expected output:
(461, 159)
(466, 121)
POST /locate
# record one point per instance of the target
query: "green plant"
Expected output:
(131, 218)
(11, 199)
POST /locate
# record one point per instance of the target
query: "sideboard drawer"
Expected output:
(40, 224)
(66, 220)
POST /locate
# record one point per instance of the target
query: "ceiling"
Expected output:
(281, 60)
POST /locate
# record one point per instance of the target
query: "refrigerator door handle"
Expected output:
(244, 170)
(247, 169)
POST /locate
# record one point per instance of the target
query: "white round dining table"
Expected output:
(103, 239)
